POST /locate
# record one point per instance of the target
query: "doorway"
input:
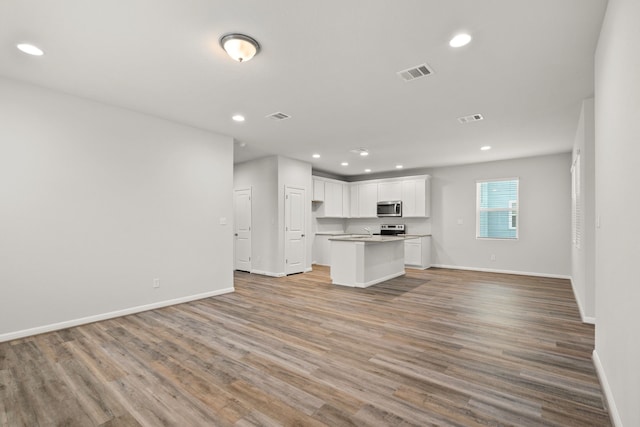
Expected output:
(294, 230)
(242, 229)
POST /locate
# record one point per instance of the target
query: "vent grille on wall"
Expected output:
(278, 116)
(471, 118)
(415, 72)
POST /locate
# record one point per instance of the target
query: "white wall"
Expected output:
(96, 202)
(262, 176)
(544, 217)
(583, 258)
(617, 130)
(267, 177)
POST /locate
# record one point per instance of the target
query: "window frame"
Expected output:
(509, 209)
(513, 215)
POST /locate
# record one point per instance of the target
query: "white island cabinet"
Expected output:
(361, 261)
(417, 251)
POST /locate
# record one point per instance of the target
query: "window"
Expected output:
(497, 209)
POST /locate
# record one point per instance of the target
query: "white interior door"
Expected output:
(242, 229)
(294, 230)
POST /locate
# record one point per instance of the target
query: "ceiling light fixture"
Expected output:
(238, 118)
(460, 40)
(316, 156)
(239, 47)
(364, 153)
(485, 147)
(344, 164)
(399, 166)
(30, 49)
(367, 170)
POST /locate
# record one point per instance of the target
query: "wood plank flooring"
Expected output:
(435, 347)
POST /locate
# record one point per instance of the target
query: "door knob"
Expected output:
(236, 234)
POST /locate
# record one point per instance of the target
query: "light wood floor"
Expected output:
(435, 347)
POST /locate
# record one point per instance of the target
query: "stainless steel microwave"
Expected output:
(393, 208)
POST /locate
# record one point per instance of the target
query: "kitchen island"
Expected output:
(362, 261)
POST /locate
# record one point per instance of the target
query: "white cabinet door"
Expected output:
(409, 198)
(368, 200)
(346, 201)
(354, 210)
(417, 252)
(415, 197)
(332, 199)
(413, 252)
(389, 191)
(318, 190)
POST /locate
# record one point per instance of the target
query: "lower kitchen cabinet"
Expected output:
(417, 252)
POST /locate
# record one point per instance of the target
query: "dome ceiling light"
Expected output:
(239, 47)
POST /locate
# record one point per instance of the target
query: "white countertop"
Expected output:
(368, 239)
(358, 235)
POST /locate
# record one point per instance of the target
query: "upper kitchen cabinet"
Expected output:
(389, 191)
(367, 200)
(346, 201)
(354, 207)
(318, 190)
(332, 199)
(416, 197)
(334, 196)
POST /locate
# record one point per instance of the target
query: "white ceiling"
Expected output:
(331, 65)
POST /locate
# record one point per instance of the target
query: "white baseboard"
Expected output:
(585, 319)
(110, 315)
(493, 270)
(267, 273)
(371, 282)
(613, 410)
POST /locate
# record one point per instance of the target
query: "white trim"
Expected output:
(585, 319)
(110, 315)
(267, 273)
(493, 270)
(608, 395)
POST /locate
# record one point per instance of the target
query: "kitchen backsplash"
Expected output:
(356, 225)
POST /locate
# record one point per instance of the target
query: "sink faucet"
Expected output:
(368, 230)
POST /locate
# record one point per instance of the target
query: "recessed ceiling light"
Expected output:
(367, 170)
(344, 164)
(399, 166)
(460, 40)
(30, 49)
(316, 156)
(485, 147)
(238, 118)
(364, 153)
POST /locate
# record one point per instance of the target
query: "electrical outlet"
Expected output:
(493, 257)
(156, 283)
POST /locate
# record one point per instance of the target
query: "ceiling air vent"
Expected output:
(471, 118)
(415, 72)
(278, 116)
